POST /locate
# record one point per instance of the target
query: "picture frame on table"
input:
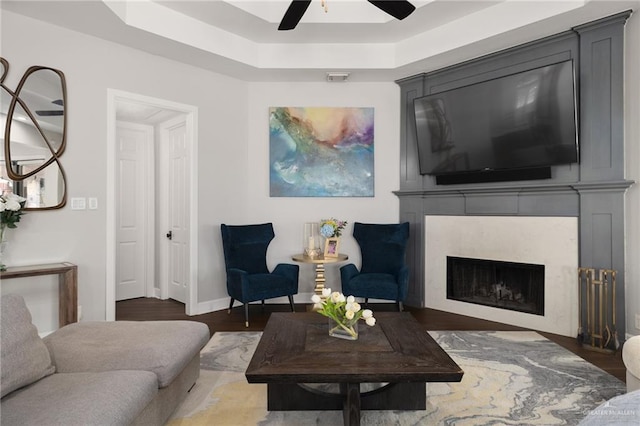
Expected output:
(331, 247)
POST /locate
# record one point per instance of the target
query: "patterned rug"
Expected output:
(510, 378)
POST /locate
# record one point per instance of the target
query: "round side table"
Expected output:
(319, 261)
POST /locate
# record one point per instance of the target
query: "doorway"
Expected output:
(151, 162)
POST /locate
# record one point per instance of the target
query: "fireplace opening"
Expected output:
(506, 285)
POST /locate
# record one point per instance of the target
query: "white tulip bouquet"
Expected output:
(344, 311)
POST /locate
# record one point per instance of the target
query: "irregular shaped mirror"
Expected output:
(34, 137)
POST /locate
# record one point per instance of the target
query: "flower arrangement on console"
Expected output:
(344, 311)
(330, 228)
(11, 206)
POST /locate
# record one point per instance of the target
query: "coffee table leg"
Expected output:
(351, 408)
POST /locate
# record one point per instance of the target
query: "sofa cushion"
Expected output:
(621, 410)
(106, 398)
(162, 347)
(24, 357)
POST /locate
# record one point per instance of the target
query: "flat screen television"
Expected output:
(522, 121)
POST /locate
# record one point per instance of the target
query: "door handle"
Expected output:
(170, 235)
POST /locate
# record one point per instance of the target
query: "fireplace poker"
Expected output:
(580, 336)
(616, 342)
(607, 330)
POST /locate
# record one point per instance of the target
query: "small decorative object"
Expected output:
(331, 247)
(342, 312)
(11, 206)
(332, 227)
(311, 240)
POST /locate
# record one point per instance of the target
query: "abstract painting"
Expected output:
(321, 152)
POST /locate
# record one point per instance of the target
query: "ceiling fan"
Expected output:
(399, 9)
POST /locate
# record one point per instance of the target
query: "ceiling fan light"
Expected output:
(337, 76)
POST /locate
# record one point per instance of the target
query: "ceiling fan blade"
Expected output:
(52, 112)
(399, 9)
(49, 113)
(294, 13)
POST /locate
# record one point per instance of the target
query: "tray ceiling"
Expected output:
(240, 37)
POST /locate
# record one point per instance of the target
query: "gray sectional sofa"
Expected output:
(95, 373)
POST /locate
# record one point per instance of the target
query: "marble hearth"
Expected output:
(548, 241)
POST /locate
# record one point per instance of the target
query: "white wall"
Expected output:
(290, 214)
(632, 153)
(233, 159)
(91, 66)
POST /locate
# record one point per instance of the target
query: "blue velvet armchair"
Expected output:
(248, 279)
(384, 273)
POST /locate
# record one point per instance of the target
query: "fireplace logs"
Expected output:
(498, 284)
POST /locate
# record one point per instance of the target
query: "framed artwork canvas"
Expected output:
(321, 152)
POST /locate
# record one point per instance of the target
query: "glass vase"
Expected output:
(347, 330)
(311, 240)
(4, 245)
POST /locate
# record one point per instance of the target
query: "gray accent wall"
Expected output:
(592, 190)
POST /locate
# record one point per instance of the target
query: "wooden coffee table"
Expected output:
(396, 358)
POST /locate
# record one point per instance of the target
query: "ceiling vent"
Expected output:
(337, 76)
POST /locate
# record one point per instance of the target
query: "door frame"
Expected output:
(113, 98)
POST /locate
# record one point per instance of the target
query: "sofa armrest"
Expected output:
(631, 359)
(347, 272)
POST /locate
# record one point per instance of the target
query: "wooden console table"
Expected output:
(67, 287)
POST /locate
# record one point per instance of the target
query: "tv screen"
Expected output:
(522, 120)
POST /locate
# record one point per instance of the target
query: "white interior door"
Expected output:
(134, 146)
(174, 137)
(131, 107)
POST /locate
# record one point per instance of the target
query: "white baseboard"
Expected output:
(222, 304)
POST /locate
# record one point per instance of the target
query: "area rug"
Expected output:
(510, 378)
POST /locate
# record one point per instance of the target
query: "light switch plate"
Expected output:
(78, 203)
(93, 203)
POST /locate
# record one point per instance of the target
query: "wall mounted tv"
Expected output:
(509, 128)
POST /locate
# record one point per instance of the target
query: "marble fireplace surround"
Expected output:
(590, 194)
(548, 241)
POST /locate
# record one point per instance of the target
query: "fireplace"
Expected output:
(505, 285)
(509, 241)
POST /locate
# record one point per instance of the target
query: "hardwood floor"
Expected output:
(154, 309)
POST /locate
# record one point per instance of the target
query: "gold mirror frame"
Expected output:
(42, 170)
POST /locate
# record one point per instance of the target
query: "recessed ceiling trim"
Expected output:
(213, 35)
(155, 18)
(504, 17)
(152, 17)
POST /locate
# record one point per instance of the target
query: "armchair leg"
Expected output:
(230, 305)
(400, 307)
(293, 309)
(366, 302)
(263, 305)
(246, 315)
